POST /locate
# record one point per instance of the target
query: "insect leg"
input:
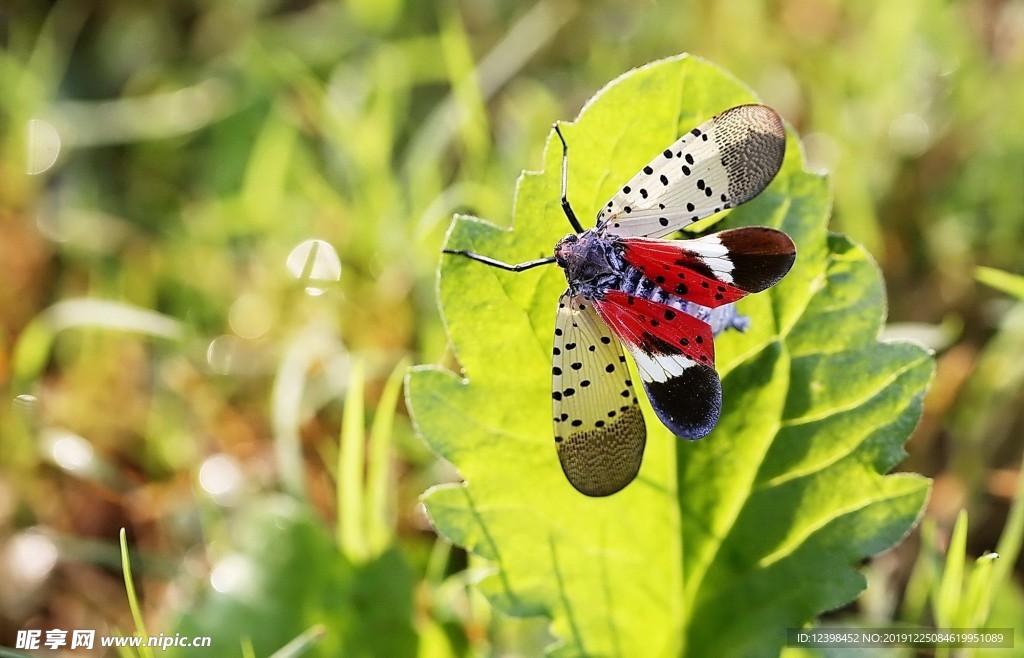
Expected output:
(566, 208)
(492, 262)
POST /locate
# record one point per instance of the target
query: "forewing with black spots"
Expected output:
(599, 428)
(722, 163)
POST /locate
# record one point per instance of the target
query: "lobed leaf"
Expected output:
(720, 544)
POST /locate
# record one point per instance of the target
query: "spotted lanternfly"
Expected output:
(664, 300)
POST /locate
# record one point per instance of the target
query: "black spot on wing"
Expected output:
(652, 344)
(689, 405)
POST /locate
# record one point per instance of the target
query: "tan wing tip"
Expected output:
(752, 142)
(600, 462)
(756, 117)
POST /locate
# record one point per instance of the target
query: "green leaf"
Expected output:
(720, 544)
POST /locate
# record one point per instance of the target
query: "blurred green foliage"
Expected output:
(202, 142)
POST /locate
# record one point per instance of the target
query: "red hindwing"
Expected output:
(679, 271)
(716, 269)
(656, 328)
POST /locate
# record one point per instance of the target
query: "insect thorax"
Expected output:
(591, 261)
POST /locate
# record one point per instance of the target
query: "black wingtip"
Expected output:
(689, 405)
(760, 256)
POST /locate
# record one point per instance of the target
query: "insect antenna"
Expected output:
(501, 265)
(566, 208)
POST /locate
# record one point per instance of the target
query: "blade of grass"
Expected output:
(379, 504)
(982, 421)
(314, 345)
(302, 642)
(469, 101)
(133, 599)
(537, 27)
(269, 164)
(950, 586)
(125, 652)
(351, 460)
(35, 344)
(1008, 547)
(923, 576)
(979, 590)
(49, 57)
(1011, 284)
(155, 116)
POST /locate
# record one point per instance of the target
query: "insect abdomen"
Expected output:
(634, 282)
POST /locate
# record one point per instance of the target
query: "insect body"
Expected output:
(665, 300)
